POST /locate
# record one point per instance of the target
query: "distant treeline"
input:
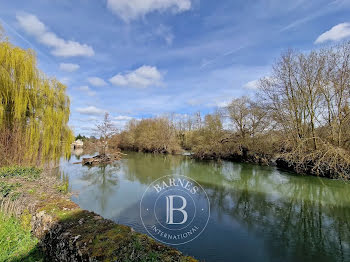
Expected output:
(299, 119)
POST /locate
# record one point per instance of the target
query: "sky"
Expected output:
(146, 58)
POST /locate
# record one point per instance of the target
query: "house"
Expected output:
(77, 144)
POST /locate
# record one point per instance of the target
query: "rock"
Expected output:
(76, 238)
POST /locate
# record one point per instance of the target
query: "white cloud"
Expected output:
(69, 67)
(87, 90)
(224, 103)
(142, 77)
(121, 121)
(336, 33)
(90, 110)
(96, 81)
(84, 88)
(123, 118)
(165, 33)
(65, 80)
(253, 85)
(33, 26)
(132, 9)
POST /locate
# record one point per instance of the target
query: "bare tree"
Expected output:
(106, 129)
(248, 117)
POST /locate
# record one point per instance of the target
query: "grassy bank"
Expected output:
(16, 241)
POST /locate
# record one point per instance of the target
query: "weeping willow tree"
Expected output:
(34, 110)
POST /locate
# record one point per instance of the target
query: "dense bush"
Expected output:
(150, 135)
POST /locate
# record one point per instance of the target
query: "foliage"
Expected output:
(7, 188)
(63, 188)
(150, 135)
(206, 141)
(19, 171)
(34, 110)
(80, 137)
(16, 242)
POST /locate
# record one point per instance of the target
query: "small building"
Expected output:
(77, 144)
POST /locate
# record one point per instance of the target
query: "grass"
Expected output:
(30, 173)
(63, 188)
(16, 242)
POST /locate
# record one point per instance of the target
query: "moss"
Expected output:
(152, 256)
(100, 238)
(31, 191)
(59, 208)
(107, 241)
(26, 218)
(63, 188)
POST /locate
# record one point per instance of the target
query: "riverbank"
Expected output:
(65, 232)
(329, 164)
(300, 166)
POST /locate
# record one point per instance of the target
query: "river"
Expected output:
(257, 213)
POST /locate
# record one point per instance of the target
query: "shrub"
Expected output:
(18, 171)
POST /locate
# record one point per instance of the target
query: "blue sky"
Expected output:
(142, 58)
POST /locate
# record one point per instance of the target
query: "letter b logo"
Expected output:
(170, 210)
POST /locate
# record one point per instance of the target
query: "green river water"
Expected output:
(257, 213)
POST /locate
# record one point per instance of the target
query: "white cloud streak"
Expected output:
(121, 121)
(132, 9)
(252, 85)
(142, 77)
(96, 81)
(165, 33)
(91, 110)
(67, 67)
(336, 33)
(60, 47)
(123, 118)
(87, 90)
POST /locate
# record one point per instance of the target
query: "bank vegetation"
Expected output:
(298, 119)
(34, 110)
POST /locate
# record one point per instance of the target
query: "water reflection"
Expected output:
(258, 214)
(104, 179)
(78, 152)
